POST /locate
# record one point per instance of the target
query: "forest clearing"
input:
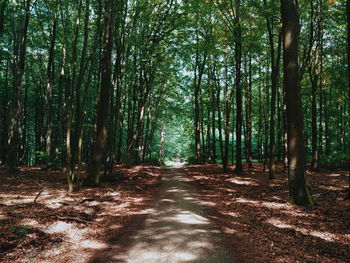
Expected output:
(174, 131)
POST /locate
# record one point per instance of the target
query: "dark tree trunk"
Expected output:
(348, 16)
(104, 98)
(18, 71)
(296, 144)
(249, 117)
(314, 79)
(239, 117)
(49, 87)
(4, 119)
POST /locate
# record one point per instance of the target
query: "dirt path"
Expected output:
(177, 229)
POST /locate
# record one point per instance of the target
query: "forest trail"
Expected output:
(176, 229)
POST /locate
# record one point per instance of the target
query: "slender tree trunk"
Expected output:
(275, 59)
(4, 119)
(296, 144)
(203, 148)
(49, 87)
(80, 106)
(239, 117)
(104, 98)
(20, 58)
(227, 119)
(196, 113)
(24, 149)
(260, 122)
(161, 147)
(348, 16)
(285, 135)
(213, 126)
(218, 105)
(314, 79)
(249, 117)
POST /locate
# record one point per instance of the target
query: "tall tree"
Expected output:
(348, 17)
(49, 86)
(275, 61)
(296, 145)
(20, 48)
(104, 97)
(238, 60)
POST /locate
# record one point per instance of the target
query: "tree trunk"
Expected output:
(218, 105)
(161, 147)
(213, 126)
(296, 144)
(49, 86)
(104, 98)
(4, 119)
(314, 79)
(20, 57)
(239, 117)
(249, 117)
(226, 119)
(348, 16)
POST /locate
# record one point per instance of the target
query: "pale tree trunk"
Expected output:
(213, 107)
(49, 86)
(161, 147)
(227, 113)
(218, 106)
(296, 145)
(70, 162)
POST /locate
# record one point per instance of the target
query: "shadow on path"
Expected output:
(177, 229)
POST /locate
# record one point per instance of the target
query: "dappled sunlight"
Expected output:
(190, 218)
(241, 181)
(271, 205)
(176, 230)
(69, 227)
(261, 216)
(344, 239)
(92, 244)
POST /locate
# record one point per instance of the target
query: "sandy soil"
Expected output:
(177, 229)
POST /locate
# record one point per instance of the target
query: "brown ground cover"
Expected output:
(261, 226)
(258, 223)
(62, 227)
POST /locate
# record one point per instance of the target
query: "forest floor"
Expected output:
(196, 213)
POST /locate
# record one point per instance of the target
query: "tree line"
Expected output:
(102, 82)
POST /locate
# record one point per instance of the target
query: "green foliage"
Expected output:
(337, 159)
(20, 231)
(157, 43)
(43, 159)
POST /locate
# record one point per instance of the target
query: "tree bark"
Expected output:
(296, 144)
(348, 18)
(239, 117)
(104, 98)
(18, 71)
(49, 87)
(249, 116)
